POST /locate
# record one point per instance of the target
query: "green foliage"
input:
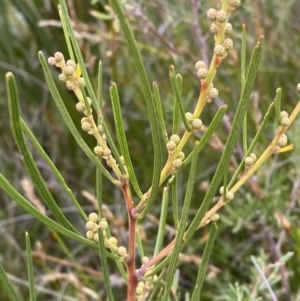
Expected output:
(153, 157)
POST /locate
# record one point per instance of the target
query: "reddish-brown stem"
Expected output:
(130, 261)
(163, 253)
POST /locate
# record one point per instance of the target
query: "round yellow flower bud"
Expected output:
(80, 107)
(175, 138)
(249, 161)
(282, 141)
(221, 16)
(200, 64)
(113, 241)
(253, 156)
(229, 196)
(98, 150)
(90, 235)
(177, 163)
(196, 124)
(285, 122)
(93, 217)
(90, 225)
(86, 126)
(122, 251)
(171, 145)
(219, 50)
(103, 224)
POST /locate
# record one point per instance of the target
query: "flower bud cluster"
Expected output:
(212, 94)
(285, 121)
(249, 161)
(220, 25)
(201, 69)
(171, 147)
(70, 71)
(93, 226)
(146, 285)
(282, 141)
(229, 194)
(195, 123)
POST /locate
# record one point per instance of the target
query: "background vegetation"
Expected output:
(263, 220)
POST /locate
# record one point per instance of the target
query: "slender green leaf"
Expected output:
(66, 35)
(60, 104)
(30, 268)
(175, 201)
(91, 93)
(208, 133)
(114, 95)
(15, 121)
(162, 221)
(278, 105)
(182, 226)
(139, 243)
(53, 168)
(176, 82)
(150, 103)
(243, 78)
(231, 140)
(202, 270)
(6, 284)
(159, 110)
(29, 208)
(252, 145)
(104, 265)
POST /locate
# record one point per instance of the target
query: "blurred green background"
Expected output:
(168, 32)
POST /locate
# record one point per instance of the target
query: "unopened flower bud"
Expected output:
(196, 124)
(122, 251)
(71, 63)
(213, 93)
(282, 141)
(80, 107)
(214, 28)
(62, 77)
(189, 117)
(229, 196)
(113, 240)
(89, 235)
(215, 217)
(145, 259)
(103, 224)
(181, 156)
(98, 150)
(69, 70)
(249, 161)
(228, 44)
(202, 73)
(58, 56)
(211, 14)
(221, 16)
(219, 50)
(171, 145)
(96, 237)
(90, 225)
(139, 290)
(285, 122)
(298, 87)
(253, 156)
(177, 163)
(175, 138)
(51, 60)
(86, 126)
(81, 82)
(228, 28)
(107, 152)
(93, 217)
(284, 114)
(222, 190)
(200, 64)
